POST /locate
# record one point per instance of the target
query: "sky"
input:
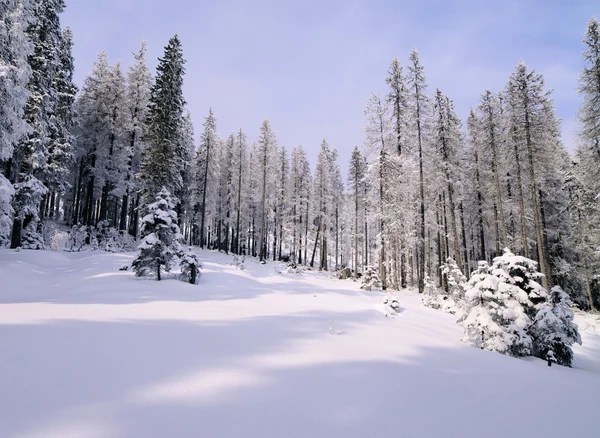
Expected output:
(309, 66)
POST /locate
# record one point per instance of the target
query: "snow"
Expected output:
(91, 351)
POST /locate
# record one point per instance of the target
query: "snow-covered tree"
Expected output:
(553, 329)
(206, 174)
(267, 149)
(139, 83)
(31, 157)
(494, 318)
(162, 165)
(370, 279)
(418, 106)
(456, 281)
(519, 276)
(6, 211)
(15, 73)
(190, 266)
(299, 199)
(356, 180)
(160, 238)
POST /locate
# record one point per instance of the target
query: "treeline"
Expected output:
(424, 187)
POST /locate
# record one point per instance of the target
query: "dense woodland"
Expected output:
(425, 186)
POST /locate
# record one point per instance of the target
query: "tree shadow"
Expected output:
(276, 376)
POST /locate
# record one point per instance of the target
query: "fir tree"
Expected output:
(206, 164)
(161, 165)
(31, 159)
(160, 241)
(494, 318)
(553, 329)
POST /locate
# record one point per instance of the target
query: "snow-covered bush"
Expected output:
(431, 294)
(77, 238)
(457, 282)
(6, 193)
(160, 242)
(370, 279)
(112, 240)
(293, 268)
(190, 266)
(345, 273)
(553, 329)
(58, 240)
(238, 261)
(494, 317)
(390, 306)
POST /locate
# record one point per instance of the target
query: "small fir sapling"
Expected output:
(190, 266)
(431, 294)
(457, 282)
(553, 329)
(370, 279)
(160, 243)
(494, 318)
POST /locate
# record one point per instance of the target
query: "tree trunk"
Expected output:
(482, 255)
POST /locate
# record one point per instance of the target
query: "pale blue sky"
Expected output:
(309, 66)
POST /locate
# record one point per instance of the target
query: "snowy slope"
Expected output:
(89, 351)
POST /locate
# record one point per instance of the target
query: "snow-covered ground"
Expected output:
(89, 351)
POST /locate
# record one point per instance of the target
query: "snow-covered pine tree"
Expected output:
(139, 83)
(418, 115)
(432, 296)
(589, 88)
(520, 277)
(281, 215)
(6, 211)
(401, 190)
(584, 198)
(322, 203)
(370, 279)
(206, 174)
(15, 73)
(378, 142)
(449, 147)
(162, 165)
(456, 281)
(299, 200)
(190, 266)
(91, 142)
(494, 317)
(553, 329)
(30, 159)
(584, 207)
(160, 238)
(185, 210)
(240, 188)
(62, 141)
(267, 150)
(356, 181)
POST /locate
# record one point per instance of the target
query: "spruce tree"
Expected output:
(160, 241)
(494, 317)
(161, 165)
(553, 329)
(589, 88)
(139, 83)
(206, 164)
(31, 158)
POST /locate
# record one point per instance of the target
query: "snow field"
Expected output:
(91, 351)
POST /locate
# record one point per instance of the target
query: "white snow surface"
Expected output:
(90, 351)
